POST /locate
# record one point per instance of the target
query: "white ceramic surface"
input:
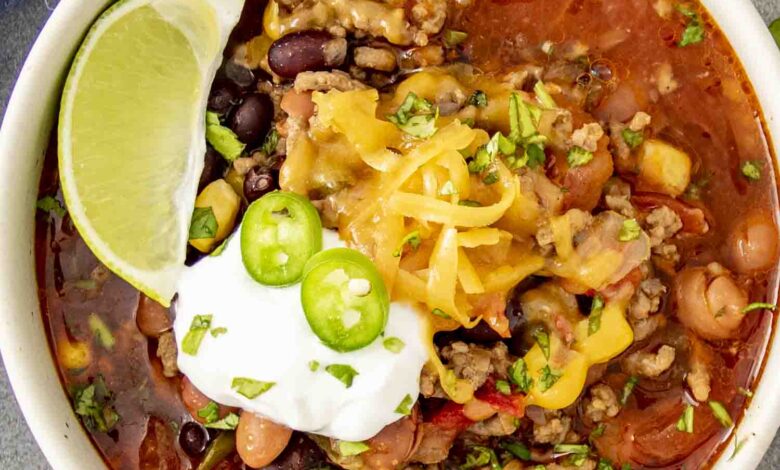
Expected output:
(23, 139)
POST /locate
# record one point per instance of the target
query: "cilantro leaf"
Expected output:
(204, 224)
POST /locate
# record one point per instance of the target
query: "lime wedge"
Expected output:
(131, 132)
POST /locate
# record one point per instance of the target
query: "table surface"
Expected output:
(20, 21)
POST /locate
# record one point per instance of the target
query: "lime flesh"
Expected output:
(131, 132)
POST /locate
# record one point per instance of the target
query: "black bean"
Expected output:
(193, 438)
(252, 119)
(224, 94)
(301, 52)
(300, 453)
(238, 74)
(257, 183)
(213, 168)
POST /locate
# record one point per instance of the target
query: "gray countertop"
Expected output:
(20, 21)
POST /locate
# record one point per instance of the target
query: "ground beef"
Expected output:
(603, 403)
(166, 351)
(588, 136)
(553, 430)
(325, 81)
(586, 465)
(426, 56)
(475, 363)
(647, 299)
(698, 380)
(617, 197)
(661, 224)
(499, 425)
(648, 364)
(645, 327)
(430, 15)
(639, 121)
(375, 58)
(667, 252)
(335, 51)
(435, 443)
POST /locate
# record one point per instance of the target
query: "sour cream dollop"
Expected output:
(267, 338)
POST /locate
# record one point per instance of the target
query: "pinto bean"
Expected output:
(393, 445)
(584, 182)
(259, 440)
(152, 318)
(709, 302)
(194, 400)
(252, 119)
(305, 51)
(752, 243)
(297, 105)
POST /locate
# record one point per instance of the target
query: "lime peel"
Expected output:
(131, 132)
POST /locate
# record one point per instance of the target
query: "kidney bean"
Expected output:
(257, 183)
(193, 438)
(297, 105)
(152, 318)
(252, 119)
(305, 51)
(259, 440)
(158, 450)
(224, 94)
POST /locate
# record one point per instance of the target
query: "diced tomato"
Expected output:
(513, 404)
(692, 218)
(451, 416)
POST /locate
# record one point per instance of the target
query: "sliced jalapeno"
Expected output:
(344, 299)
(280, 232)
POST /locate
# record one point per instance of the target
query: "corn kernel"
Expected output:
(224, 202)
(74, 356)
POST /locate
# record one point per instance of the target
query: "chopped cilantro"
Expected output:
(758, 306)
(452, 37)
(598, 431)
(440, 313)
(534, 154)
(547, 378)
(469, 203)
(101, 332)
(738, 445)
(481, 457)
(479, 99)
(416, 117)
(250, 388)
(198, 328)
(348, 448)
(604, 464)
(215, 332)
(543, 340)
(412, 240)
(518, 374)
(628, 388)
(270, 142)
(343, 372)
(694, 32)
(751, 171)
(314, 366)
(405, 407)
(578, 156)
(517, 449)
(632, 138)
(228, 423)
(209, 413)
(393, 344)
(629, 231)
(544, 96)
(204, 224)
(51, 205)
(94, 404)
(685, 423)
(503, 387)
(721, 414)
(594, 319)
(491, 178)
(224, 140)
(481, 160)
(578, 453)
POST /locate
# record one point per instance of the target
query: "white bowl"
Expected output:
(23, 140)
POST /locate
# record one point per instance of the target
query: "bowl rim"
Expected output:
(57, 431)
